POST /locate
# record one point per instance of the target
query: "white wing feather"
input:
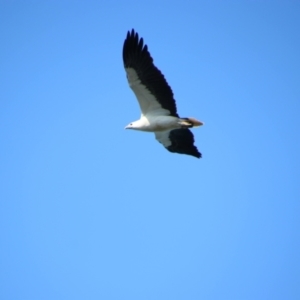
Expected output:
(163, 138)
(148, 103)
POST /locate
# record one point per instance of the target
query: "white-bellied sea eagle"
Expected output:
(155, 97)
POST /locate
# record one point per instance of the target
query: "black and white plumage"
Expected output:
(156, 100)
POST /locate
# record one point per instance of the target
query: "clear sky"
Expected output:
(92, 211)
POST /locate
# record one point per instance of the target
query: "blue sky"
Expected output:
(91, 211)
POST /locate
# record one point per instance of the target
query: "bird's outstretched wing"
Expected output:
(179, 141)
(147, 82)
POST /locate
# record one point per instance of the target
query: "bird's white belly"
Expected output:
(164, 123)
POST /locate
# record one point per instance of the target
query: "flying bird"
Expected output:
(156, 100)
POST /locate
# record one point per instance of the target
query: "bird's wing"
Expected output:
(179, 141)
(147, 82)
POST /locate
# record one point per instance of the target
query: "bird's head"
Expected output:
(131, 125)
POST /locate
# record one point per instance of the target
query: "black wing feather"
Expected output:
(183, 142)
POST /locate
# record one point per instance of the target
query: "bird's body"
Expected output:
(155, 97)
(154, 123)
(157, 123)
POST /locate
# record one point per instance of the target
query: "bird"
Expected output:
(156, 100)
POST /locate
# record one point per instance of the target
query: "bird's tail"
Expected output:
(190, 122)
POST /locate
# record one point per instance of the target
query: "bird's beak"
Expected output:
(126, 127)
